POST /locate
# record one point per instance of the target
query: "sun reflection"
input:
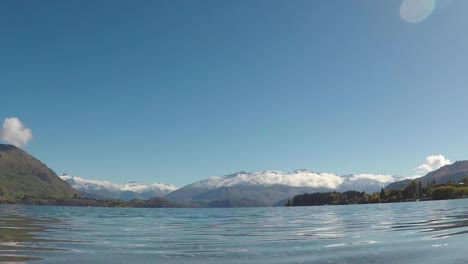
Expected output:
(415, 11)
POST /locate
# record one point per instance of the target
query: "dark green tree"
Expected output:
(420, 190)
(382, 194)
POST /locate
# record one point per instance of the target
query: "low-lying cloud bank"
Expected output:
(306, 178)
(15, 132)
(300, 178)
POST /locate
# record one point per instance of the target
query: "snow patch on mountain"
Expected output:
(126, 191)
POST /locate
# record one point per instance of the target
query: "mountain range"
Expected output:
(127, 191)
(22, 175)
(270, 188)
(266, 188)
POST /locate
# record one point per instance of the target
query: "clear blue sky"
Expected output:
(176, 91)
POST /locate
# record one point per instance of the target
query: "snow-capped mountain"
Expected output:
(270, 187)
(298, 178)
(264, 188)
(126, 191)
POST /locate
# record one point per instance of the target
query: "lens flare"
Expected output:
(415, 11)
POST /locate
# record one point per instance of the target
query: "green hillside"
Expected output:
(449, 173)
(23, 175)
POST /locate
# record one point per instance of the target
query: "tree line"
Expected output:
(414, 191)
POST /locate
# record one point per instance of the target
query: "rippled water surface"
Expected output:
(422, 232)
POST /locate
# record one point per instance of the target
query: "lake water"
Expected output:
(420, 232)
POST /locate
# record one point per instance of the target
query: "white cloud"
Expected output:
(14, 132)
(433, 163)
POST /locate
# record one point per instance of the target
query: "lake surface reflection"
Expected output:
(421, 232)
(18, 236)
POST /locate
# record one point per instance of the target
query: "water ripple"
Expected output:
(424, 232)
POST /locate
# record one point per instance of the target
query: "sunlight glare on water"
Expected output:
(424, 232)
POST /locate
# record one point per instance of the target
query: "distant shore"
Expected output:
(156, 202)
(413, 192)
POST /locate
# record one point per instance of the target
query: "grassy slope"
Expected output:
(22, 174)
